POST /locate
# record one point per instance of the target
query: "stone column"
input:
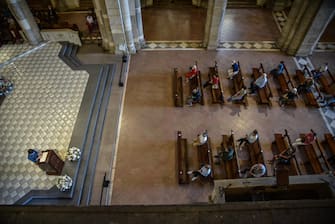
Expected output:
(278, 5)
(292, 23)
(24, 17)
(320, 22)
(127, 27)
(146, 3)
(139, 22)
(214, 23)
(104, 26)
(305, 24)
(134, 24)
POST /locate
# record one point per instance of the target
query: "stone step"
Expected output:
(95, 142)
(86, 135)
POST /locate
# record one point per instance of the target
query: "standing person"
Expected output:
(90, 23)
(52, 16)
(34, 155)
(13, 30)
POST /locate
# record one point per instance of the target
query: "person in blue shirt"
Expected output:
(279, 70)
(33, 155)
(234, 71)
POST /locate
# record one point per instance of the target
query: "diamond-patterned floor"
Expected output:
(40, 113)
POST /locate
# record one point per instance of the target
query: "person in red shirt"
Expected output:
(215, 81)
(308, 139)
(193, 71)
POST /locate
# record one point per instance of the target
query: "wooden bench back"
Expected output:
(178, 94)
(182, 161)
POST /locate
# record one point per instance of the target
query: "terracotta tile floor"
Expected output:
(146, 160)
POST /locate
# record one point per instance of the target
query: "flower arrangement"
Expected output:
(73, 154)
(64, 183)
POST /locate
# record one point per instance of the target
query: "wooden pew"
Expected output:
(264, 94)
(205, 156)
(284, 80)
(308, 96)
(217, 94)
(331, 76)
(182, 159)
(238, 84)
(312, 157)
(282, 145)
(255, 152)
(232, 167)
(329, 139)
(325, 85)
(195, 82)
(178, 95)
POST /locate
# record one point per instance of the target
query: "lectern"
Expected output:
(50, 162)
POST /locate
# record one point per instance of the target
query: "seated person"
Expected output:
(214, 81)
(289, 96)
(306, 86)
(259, 83)
(257, 170)
(34, 155)
(239, 96)
(193, 71)
(279, 70)
(284, 157)
(233, 71)
(204, 171)
(225, 154)
(251, 138)
(327, 101)
(201, 139)
(308, 139)
(195, 98)
(318, 72)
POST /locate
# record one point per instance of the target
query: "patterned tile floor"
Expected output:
(40, 113)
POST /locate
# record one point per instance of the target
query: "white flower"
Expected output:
(73, 154)
(64, 183)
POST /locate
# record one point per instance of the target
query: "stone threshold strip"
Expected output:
(327, 113)
(196, 45)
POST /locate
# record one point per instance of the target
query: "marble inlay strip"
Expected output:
(172, 45)
(249, 45)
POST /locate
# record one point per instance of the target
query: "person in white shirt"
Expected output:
(204, 171)
(258, 170)
(259, 83)
(251, 138)
(239, 95)
(201, 139)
